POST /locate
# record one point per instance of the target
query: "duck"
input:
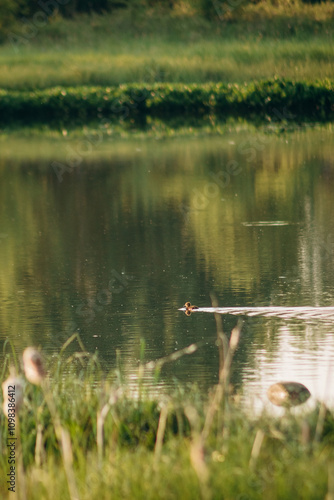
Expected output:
(189, 307)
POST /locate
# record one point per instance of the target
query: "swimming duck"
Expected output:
(189, 307)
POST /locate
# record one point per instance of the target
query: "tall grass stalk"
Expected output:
(160, 432)
(22, 488)
(101, 417)
(226, 353)
(64, 440)
(36, 374)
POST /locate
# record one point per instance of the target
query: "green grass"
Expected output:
(181, 460)
(162, 61)
(259, 42)
(159, 61)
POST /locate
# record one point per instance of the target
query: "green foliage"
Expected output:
(8, 12)
(69, 8)
(160, 45)
(290, 462)
(276, 100)
(26, 15)
(221, 9)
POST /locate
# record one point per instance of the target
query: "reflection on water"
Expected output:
(300, 352)
(133, 230)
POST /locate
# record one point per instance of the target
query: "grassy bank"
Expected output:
(254, 42)
(87, 431)
(155, 52)
(135, 106)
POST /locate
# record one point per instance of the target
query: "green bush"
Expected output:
(220, 9)
(277, 100)
(68, 8)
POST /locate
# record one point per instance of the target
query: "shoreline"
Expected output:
(176, 105)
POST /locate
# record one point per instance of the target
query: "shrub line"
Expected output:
(275, 99)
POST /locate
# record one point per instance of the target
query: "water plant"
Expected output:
(132, 105)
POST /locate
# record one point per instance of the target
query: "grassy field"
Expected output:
(89, 435)
(293, 41)
(157, 60)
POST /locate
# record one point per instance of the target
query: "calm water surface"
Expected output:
(131, 230)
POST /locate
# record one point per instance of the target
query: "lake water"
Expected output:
(113, 238)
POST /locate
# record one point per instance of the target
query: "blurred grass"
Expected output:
(209, 60)
(257, 42)
(289, 463)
